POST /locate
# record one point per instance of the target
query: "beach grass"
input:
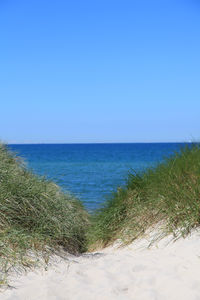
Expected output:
(35, 216)
(168, 194)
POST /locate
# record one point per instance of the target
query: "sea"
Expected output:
(92, 172)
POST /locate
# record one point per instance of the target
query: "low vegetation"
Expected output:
(35, 216)
(169, 193)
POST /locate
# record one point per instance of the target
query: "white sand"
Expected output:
(167, 271)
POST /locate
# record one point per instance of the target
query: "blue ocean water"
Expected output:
(92, 171)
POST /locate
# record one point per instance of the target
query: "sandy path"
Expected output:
(167, 271)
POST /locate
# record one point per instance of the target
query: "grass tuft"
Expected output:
(35, 216)
(169, 193)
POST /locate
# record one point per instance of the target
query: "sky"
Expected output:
(99, 71)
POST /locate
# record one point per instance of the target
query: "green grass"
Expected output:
(169, 193)
(35, 216)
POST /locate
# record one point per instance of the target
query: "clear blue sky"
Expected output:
(99, 71)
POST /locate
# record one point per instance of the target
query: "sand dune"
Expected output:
(166, 271)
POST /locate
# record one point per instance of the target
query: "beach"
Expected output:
(100, 150)
(147, 269)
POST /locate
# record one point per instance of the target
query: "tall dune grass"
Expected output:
(35, 214)
(169, 193)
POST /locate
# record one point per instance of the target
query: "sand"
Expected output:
(166, 271)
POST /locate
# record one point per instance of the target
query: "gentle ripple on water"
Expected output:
(92, 171)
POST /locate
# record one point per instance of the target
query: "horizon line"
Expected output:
(91, 143)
